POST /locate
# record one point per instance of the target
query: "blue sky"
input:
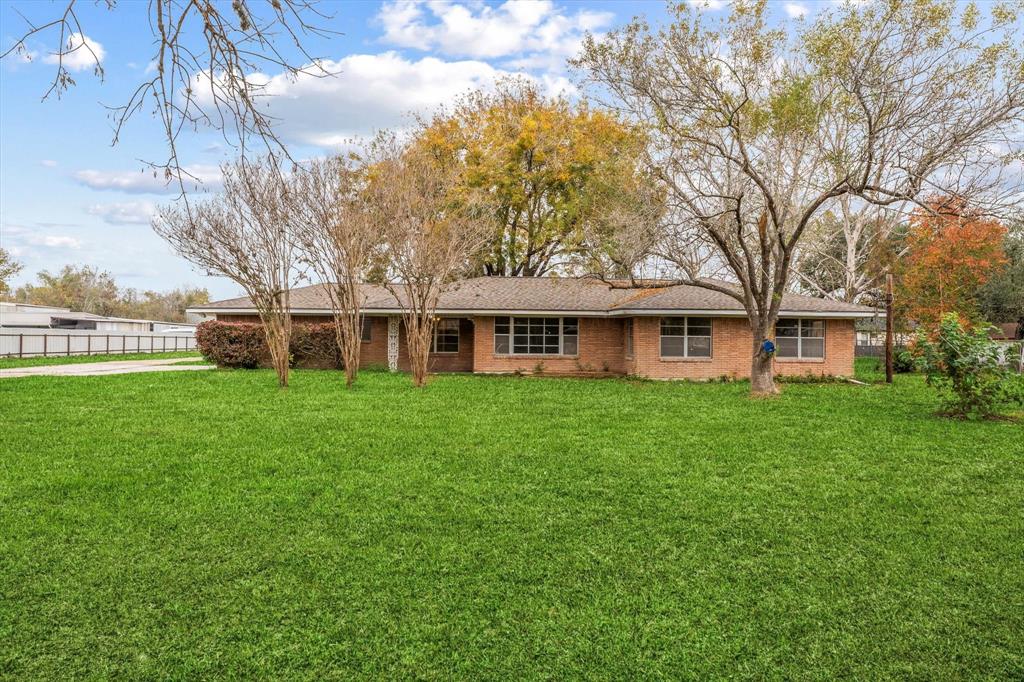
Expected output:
(68, 196)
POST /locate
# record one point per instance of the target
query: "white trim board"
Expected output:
(665, 312)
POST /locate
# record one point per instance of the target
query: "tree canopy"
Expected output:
(756, 132)
(90, 290)
(951, 252)
(1001, 298)
(8, 269)
(542, 165)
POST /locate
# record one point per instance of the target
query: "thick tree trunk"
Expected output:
(762, 374)
(762, 377)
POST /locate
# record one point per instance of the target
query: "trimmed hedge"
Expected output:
(244, 345)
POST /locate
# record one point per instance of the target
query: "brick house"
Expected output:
(584, 326)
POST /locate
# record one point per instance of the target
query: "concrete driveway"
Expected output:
(88, 369)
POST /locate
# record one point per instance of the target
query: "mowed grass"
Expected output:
(14, 363)
(207, 524)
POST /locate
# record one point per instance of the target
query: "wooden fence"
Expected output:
(31, 343)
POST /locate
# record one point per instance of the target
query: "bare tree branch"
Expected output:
(201, 69)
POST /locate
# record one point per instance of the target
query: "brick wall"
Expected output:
(600, 351)
(374, 352)
(439, 362)
(731, 351)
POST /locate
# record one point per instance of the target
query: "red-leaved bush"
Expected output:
(244, 345)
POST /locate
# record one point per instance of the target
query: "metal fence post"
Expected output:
(21, 344)
(67, 350)
(45, 337)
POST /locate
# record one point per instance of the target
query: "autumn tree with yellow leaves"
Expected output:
(544, 167)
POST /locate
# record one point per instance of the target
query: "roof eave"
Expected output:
(661, 312)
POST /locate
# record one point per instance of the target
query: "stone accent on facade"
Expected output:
(393, 324)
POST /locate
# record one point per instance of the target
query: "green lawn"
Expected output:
(12, 363)
(202, 524)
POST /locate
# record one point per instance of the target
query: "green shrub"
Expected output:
(903, 361)
(965, 364)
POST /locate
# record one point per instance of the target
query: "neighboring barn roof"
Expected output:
(483, 295)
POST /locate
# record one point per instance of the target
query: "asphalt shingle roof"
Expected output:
(548, 294)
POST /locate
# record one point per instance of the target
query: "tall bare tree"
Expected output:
(848, 251)
(243, 234)
(339, 239)
(431, 231)
(757, 131)
(199, 71)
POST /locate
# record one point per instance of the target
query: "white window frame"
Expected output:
(800, 338)
(686, 338)
(458, 335)
(512, 334)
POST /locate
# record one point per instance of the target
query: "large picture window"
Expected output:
(800, 339)
(686, 337)
(536, 335)
(446, 336)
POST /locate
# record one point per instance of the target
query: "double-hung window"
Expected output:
(366, 330)
(686, 337)
(800, 339)
(536, 335)
(446, 336)
(627, 331)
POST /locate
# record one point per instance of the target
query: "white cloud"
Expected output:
(20, 237)
(713, 5)
(53, 241)
(366, 93)
(795, 10)
(146, 181)
(48, 163)
(534, 30)
(80, 52)
(127, 213)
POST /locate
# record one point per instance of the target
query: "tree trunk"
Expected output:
(418, 333)
(762, 378)
(349, 334)
(277, 328)
(762, 374)
(350, 373)
(278, 340)
(349, 354)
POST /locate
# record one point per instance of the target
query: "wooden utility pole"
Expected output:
(888, 328)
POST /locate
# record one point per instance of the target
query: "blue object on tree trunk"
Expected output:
(767, 346)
